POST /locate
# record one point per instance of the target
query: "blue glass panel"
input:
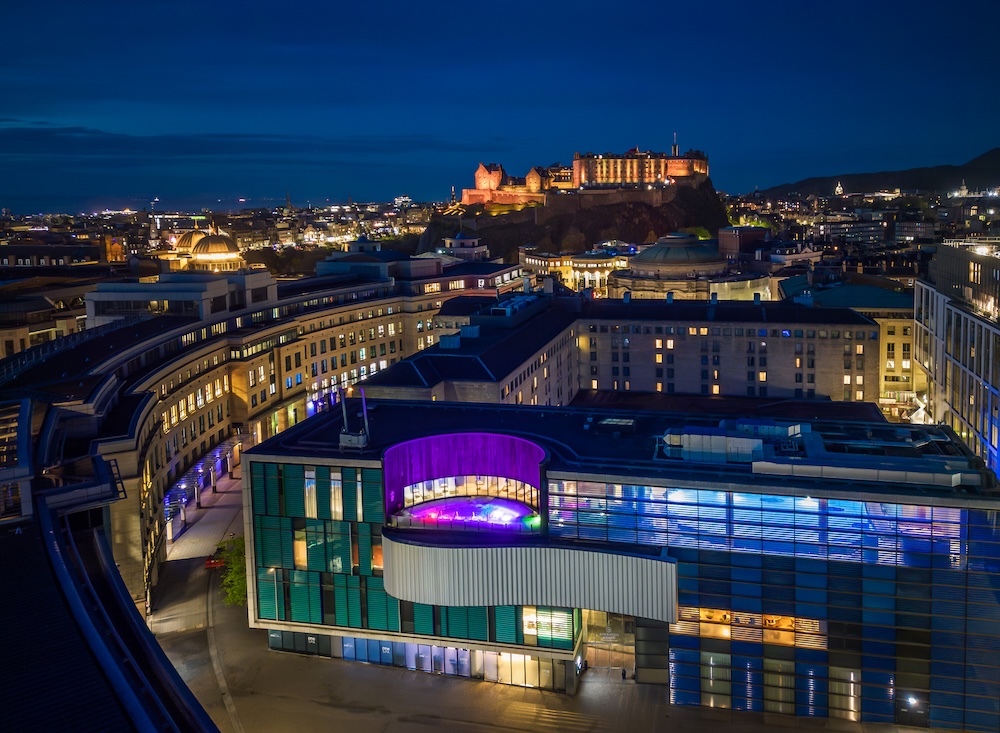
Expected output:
(751, 590)
(682, 644)
(751, 605)
(981, 721)
(810, 611)
(627, 536)
(655, 539)
(774, 547)
(747, 545)
(812, 656)
(943, 717)
(806, 580)
(348, 647)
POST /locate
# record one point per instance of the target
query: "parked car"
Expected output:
(217, 560)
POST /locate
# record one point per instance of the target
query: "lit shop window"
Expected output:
(717, 623)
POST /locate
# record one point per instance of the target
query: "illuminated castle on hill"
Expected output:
(635, 169)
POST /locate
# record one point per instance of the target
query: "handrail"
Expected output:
(18, 363)
(113, 638)
(194, 716)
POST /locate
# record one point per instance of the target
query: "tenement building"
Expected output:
(958, 341)
(818, 568)
(537, 349)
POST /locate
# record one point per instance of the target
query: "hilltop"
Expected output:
(979, 173)
(630, 218)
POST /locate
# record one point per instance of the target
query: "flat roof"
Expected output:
(74, 363)
(578, 441)
(50, 676)
(725, 311)
(491, 356)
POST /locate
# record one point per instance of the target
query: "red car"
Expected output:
(217, 560)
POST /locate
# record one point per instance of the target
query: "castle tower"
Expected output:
(674, 149)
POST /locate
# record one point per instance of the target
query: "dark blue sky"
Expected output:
(112, 103)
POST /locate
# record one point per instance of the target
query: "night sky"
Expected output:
(107, 104)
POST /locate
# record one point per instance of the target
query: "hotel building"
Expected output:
(177, 374)
(816, 568)
(537, 349)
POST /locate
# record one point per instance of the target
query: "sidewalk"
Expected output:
(220, 514)
(179, 600)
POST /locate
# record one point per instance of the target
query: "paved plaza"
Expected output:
(248, 689)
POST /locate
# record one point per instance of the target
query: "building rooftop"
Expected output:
(816, 457)
(75, 363)
(847, 295)
(721, 312)
(490, 356)
(69, 690)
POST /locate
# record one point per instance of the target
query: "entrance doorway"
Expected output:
(610, 640)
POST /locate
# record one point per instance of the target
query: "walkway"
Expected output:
(221, 513)
(179, 598)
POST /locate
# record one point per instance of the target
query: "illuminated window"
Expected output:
(309, 493)
(659, 343)
(859, 349)
(659, 358)
(761, 376)
(703, 331)
(659, 386)
(336, 497)
(670, 343)
(798, 362)
(692, 331)
(715, 389)
(299, 551)
(859, 379)
(593, 384)
(859, 395)
(847, 379)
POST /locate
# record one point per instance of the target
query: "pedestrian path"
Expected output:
(220, 515)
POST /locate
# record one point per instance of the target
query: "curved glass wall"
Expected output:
(470, 513)
(497, 486)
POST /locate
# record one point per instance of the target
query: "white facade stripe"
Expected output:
(533, 576)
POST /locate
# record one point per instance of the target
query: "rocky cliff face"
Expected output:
(580, 230)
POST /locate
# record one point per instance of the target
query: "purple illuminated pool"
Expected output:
(470, 513)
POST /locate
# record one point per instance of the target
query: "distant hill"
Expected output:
(629, 221)
(979, 173)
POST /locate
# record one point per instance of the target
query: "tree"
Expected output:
(234, 575)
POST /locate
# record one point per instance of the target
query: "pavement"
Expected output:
(176, 605)
(247, 688)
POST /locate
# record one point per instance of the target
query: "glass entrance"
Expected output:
(610, 639)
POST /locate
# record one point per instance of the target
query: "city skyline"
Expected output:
(203, 107)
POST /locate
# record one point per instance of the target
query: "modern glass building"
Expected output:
(814, 568)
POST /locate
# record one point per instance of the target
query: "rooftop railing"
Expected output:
(14, 365)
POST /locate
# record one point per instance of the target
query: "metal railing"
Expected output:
(12, 366)
(518, 526)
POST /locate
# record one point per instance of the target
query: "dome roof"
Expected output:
(678, 249)
(216, 244)
(188, 240)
